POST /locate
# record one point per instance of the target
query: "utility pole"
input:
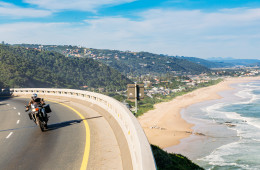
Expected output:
(136, 98)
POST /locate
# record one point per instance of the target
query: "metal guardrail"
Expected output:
(140, 150)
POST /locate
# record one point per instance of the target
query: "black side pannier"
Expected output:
(47, 108)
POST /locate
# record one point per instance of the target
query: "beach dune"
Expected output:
(165, 127)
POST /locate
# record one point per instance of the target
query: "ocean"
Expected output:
(227, 131)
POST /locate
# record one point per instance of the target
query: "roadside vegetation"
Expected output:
(169, 161)
(148, 102)
(21, 67)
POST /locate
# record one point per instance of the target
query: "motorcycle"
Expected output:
(39, 115)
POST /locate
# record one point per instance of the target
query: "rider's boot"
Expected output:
(30, 115)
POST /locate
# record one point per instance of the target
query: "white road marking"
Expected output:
(19, 113)
(8, 104)
(14, 107)
(9, 135)
(17, 121)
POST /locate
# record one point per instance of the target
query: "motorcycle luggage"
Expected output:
(47, 108)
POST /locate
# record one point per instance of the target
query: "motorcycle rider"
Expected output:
(36, 101)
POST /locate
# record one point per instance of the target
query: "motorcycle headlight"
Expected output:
(35, 109)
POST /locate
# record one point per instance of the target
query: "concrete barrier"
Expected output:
(140, 150)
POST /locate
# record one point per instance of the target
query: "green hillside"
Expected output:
(137, 63)
(21, 67)
(144, 63)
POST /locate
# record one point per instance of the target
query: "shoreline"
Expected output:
(165, 127)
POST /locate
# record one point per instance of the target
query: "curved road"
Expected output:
(24, 146)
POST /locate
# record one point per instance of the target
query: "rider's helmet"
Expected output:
(34, 96)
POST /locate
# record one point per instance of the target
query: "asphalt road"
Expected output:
(24, 146)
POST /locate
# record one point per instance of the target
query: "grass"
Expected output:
(169, 161)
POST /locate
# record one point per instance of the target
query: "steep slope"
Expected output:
(21, 67)
(169, 161)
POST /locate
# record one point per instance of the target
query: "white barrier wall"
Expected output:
(140, 150)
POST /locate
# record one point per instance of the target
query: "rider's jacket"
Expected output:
(37, 100)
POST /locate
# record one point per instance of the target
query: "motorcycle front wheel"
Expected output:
(40, 123)
(46, 126)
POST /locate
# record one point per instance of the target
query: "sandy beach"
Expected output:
(165, 127)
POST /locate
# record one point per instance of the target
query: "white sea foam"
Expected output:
(213, 112)
(252, 85)
(248, 120)
(234, 115)
(226, 155)
(242, 154)
(246, 93)
(222, 116)
(257, 140)
(219, 156)
(216, 156)
(214, 107)
(247, 96)
(254, 122)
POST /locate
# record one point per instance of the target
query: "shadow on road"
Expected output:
(3, 98)
(68, 123)
(53, 126)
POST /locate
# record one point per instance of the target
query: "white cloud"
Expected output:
(226, 33)
(33, 32)
(82, 5)
(191, 33)
(10, 10)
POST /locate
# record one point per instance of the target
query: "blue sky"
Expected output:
(195, 28)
